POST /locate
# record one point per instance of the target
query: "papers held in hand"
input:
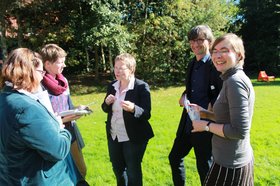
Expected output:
(193, 114)
(76, 112)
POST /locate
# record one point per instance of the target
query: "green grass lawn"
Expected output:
(166, 113)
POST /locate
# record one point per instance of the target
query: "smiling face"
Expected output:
(224, 57)
(227, 52)
(55, 67)
(200, 38)
(200, 46)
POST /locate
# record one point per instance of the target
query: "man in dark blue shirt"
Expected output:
(203, 85)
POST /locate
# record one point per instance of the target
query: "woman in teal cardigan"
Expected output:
(33, 145)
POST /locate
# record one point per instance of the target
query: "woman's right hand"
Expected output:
(110, 99)
(181, 101)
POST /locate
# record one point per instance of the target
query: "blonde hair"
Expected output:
(128, 60)
(20, 71)
(236, 44)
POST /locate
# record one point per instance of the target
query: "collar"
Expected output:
(205, 58)
(230, 72)
(130, 86)
(29, 94)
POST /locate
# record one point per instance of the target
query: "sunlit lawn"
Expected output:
(166, 113)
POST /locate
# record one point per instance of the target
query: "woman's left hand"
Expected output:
(128, 106)
(199, 125)
(71, 117)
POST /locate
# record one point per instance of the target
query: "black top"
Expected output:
(203, 84)
(138, 128)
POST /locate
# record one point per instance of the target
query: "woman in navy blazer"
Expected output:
(32, 144)
(128, 104)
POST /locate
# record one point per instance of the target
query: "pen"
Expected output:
(90, 103)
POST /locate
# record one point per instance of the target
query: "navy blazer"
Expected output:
(138, 127)
(214, 85)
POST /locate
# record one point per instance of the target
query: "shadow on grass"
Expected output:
(263, 83)
(86, 84)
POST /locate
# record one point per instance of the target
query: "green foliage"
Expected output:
(165, 118)
(162, 46)
(94, 32)
(261, 34)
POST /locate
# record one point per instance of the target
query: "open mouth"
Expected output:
(220, 62)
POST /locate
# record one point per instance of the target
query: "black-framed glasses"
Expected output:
(198, 41)
(42, 72)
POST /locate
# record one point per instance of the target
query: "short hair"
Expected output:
(203, 31)
(236, 44)
(20, 71)
(51, 52)
(128, 60)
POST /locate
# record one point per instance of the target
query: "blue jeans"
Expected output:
(126, 158)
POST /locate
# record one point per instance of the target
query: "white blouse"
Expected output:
(117, 123)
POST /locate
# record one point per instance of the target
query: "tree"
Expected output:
(107, 34)
(261, 34)
(161, 28)
(93, 32)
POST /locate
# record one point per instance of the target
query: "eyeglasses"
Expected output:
(198, 41)
(42, 72)
(220, 52)
(120, 69)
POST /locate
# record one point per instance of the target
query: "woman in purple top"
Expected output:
(57, 86)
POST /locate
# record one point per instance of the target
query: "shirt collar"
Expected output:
(205, 58)
(130, 86)
(29, 94)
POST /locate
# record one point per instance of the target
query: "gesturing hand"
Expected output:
(110, 99)
(128, 106)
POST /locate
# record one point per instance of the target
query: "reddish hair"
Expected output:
(20, 71)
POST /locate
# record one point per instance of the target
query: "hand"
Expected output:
(110, 99)
(181, 101)
(196, 107)
(82, 107)
(71, 117)
(128, 106)
(199, 125)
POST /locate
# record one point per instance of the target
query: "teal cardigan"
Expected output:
(32, 145)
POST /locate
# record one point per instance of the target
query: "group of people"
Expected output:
(32, 133)
(217, 88)
(38, 147)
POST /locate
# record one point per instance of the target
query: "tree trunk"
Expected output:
(87, 60)
(3, 7)
(19, 31)
(111, 63)
(96, 64)
(103, 59)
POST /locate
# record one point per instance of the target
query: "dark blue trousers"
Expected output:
(126, 158)
(201, 142)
